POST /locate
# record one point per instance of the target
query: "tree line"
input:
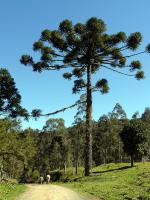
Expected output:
(27, 154)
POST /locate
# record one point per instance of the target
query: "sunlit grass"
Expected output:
(9, 191)
(115, 182)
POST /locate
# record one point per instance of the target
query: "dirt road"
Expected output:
(49, 192)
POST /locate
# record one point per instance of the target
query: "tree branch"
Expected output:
(128, 56)
(56, 54)
(60, 110)
(117, 71)
(116, 65)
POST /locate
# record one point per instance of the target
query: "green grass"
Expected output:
(10, 191)
(115, 182)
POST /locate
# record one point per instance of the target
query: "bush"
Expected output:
(143, 198)
(56, 175)
(35, 176)
(29, 177)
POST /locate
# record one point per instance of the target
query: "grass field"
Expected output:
(107, 182)
(9, 191)
(115, 182)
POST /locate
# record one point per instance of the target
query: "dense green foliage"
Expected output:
(10, 98)
(17, 148)
(134, 139)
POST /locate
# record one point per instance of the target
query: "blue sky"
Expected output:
(21, 23)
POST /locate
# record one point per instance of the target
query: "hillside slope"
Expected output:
(116, 182)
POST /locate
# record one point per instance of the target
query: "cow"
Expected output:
(41, 179)
(48, 178)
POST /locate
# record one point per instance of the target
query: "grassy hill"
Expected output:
(115, 182)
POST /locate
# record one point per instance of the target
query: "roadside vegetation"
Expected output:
(10, 191)
(115, 182)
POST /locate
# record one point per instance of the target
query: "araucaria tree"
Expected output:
(10, 99)
(84, 49)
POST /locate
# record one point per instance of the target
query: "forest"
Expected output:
(27, 154)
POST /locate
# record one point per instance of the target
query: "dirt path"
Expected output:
(49, 192)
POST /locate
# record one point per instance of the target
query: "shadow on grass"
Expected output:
(111, 170)
(94, 174)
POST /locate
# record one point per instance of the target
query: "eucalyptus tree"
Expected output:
(78, 130)
(118, 119)
(118, 112)
(82, 50)
(145, 117)
(57, 144)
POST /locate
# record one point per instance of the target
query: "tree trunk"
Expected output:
(88, 136)
(132, 160)
(77, 153)
(119, 150)
(76, 167)
(105, 156)
(65, 167)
